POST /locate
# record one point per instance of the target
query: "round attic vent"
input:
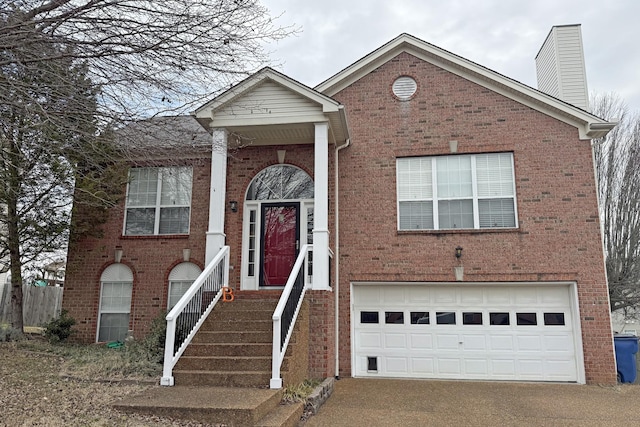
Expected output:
(404, 88)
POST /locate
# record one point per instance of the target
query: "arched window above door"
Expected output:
(281, 182)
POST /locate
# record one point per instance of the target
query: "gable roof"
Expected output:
(589, 125)
(272, 106)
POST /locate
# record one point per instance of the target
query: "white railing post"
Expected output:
(167, 368)
(276, 380)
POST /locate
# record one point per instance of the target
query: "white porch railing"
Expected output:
(186, 317)
(286, 313)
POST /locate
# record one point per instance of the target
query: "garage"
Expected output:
(520, 332)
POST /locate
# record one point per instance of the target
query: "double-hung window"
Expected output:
(470, 191)
(158, 201)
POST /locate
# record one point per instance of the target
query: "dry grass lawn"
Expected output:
(53, 385)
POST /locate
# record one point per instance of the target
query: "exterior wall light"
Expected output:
(459, 252)
(234, 206)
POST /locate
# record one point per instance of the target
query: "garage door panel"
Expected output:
(503, 367)
(502, 342)
(396, 366)
(529, 342)
(422, 366)
(449, 366)
(421, 341)
(370, 340)
(458, 332)
(447, 342)
(530, 367)
(497, 297)
(526, 297)
(476, 368)
(394, 296)
(444, 296)
(472, 296)
(474, 342)
(395, 341)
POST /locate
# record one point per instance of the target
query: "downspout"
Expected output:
(337, 260)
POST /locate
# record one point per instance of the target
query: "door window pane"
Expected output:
(555, 319)
(419, 317)
(446, 318)
(394, 317)
(368, 317)
(499, 318)
(472, 318)
(526, 319)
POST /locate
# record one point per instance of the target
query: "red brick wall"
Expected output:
(150, 258)
(558, 238)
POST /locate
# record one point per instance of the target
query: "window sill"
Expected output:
(455, 231)
(155, 237)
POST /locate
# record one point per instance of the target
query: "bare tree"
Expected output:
(617, 158)
(148, 56)
(72, 71)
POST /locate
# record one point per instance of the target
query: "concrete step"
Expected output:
(212, 324)
(239, 315)
(284, 415)
(227, 363)
(248, 304)
(202, 378)
(246, 349)
(234, 337)
(209, 405)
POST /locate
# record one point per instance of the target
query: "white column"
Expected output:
(321, 208)
(217, 192)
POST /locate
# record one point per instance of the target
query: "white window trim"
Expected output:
(158, 206)
(475, 198)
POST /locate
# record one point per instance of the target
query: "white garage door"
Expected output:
(489, 332)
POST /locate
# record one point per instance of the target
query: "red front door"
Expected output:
(280, 236)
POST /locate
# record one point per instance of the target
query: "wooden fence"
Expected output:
(40, 304)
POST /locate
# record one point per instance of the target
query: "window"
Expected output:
(181, 278)
(158, 201)
(526, 319)
(394, 317)
(554, 319)
(368, 317)
(499, 318)
(456, 192)
(472, 318)
(446, 318)
(116, 283)
(419, 317)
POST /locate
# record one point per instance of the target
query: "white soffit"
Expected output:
(589, 126)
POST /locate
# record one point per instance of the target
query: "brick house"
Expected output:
(446, 217)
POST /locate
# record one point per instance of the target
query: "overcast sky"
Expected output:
(503, 35)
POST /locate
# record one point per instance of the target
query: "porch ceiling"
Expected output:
(300, 133)
(281, 134)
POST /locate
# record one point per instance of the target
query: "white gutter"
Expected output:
(337, 260)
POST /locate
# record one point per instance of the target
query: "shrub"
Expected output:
(58, 330)
(151, 347)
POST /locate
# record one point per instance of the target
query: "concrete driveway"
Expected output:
(377, 402)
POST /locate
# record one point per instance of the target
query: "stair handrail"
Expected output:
(191, 311)
(286, 312)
